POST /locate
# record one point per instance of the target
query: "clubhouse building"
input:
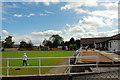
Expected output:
(111, 44)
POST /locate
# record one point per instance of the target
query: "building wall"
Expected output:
(114, 45)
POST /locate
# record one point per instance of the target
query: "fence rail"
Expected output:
(53, 57)
(39, 63)
(69, 65)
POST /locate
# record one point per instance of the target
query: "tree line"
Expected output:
(53, 42)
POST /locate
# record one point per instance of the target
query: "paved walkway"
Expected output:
(113, 56)
(58, 70)
(102, 58)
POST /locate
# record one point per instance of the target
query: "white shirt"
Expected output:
(25, 57)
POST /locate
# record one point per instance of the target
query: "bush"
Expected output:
(70, 47)
(74, 46)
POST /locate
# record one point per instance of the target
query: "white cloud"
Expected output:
(43, 14)
(97, 34)
(18, 15)
(108, 33)
(74, 29)
(68, 25)
(18, 38)
(87, 27)
(80, 10)
(73, 5)
(105, 13)
(49, 12)
(47, 3)
(4, 32)
(111, 11)
(58, 0)
(86, 35)
(35, 40)
(32, 14)
(112, 6)
(91, 23)
(47, 33)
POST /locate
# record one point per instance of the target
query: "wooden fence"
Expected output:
(31, 49)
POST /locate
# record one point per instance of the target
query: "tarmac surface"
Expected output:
(101, 57)
(114, 56)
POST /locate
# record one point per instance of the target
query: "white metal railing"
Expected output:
(39, 63)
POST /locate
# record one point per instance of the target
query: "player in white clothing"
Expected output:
(25, 59)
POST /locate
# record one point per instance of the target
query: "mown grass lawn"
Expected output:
(33, 62)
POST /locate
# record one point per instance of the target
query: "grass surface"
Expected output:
(33, 62)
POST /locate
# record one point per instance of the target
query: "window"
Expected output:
(110, 44)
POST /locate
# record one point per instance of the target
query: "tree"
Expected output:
(72, 41)
(66, 44)
(23, 44)
(56, 40)
(8, 42)
(74, 46)
(29, 44)
(70, 47)
(44, 42)
(41, 46)
(62, 43)
(47, 43)
(56, 43)
(77, 43)
(3, 44)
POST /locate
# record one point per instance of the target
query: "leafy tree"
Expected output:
(30, 44)
(23, 44)
(77, 43)
(74, 46)
(62, 43)
(56, 40)
(47, 43)
(8, 42)
(72, 41)
(44, 42)
(56, 43)
(40, 46)
(66, 44)
(71, 47)
(3, 44)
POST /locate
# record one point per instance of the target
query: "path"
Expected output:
(102, 58)
(113, 56)
(59, 69)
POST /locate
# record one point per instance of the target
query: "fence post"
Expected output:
(39, 66)
(7, 67)
(97, 63)
(69, 65)
(112, 61)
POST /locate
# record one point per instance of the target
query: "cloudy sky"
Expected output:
(37, 21)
